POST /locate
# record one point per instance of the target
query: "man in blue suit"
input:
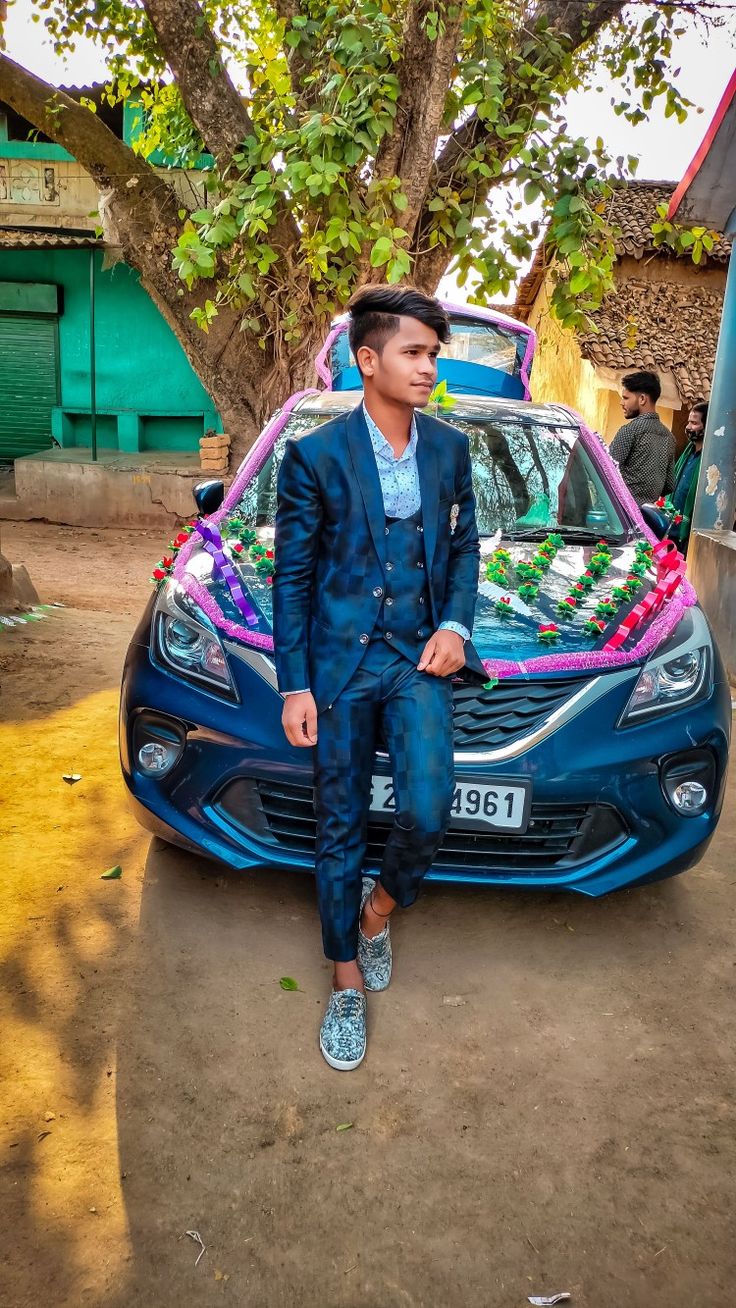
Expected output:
(373, 600)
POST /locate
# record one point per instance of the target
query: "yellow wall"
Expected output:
(560, 375)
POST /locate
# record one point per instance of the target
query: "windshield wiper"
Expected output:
(582, 534)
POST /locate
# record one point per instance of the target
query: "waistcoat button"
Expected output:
(363, 639)
(389, 600)
(419, 565)
(420, 528)
(389, 567)
(389, 635)
(378, 591)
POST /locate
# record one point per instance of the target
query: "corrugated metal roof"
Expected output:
(27, 238)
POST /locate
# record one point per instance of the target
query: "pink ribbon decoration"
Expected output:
(670, 576)
(213, 545)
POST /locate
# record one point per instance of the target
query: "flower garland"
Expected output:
(240, 538)
(665, 503)
(530, 573)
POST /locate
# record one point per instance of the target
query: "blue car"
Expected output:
(595, 755)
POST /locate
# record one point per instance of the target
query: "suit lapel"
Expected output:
(429, 488)
(364, 466)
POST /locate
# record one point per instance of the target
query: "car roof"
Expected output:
(465, 406)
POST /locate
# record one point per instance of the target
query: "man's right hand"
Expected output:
(299, 719)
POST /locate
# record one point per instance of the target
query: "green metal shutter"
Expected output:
(28, 383)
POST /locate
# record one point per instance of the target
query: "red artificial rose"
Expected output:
(159, 574)
(167, 561)
(238, 548)
(182, 538)
(269, 554)
(269, 581)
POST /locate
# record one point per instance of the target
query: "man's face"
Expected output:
(630, 402)
(695, 429)
(405, 371)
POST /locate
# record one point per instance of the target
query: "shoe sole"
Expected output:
(339, 1064)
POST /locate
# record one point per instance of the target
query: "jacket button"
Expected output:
(420, 564)
(420, 632)
(363, 639)
(389, 635)
(420, 528)
(389, 599)
(389, 567)
(378, 591)
(386, 530)
(421, 599)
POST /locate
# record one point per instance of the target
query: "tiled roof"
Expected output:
(29, 239)
(665, 326)
(632, 210)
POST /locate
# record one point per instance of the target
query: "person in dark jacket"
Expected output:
(373, 599)
(644, 448)
(687, 470)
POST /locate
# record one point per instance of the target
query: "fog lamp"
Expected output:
(688, 781)
(158, 743)
(690, 797)
(157, 756)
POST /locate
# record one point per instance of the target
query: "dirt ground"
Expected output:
(547, 1103)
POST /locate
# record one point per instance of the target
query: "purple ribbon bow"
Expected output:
(213, 545)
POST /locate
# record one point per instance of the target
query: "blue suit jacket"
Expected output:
(330, 547)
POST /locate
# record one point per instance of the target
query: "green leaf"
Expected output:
(344, 1126)
(288, 983)
(112, 874)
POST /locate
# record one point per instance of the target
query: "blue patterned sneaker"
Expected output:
(342, 1034)
(374, 956)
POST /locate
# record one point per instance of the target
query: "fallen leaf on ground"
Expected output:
(454, 1001)
(112, 874)
(49, 1117)
(42, 1134)
(221, 1276)
(344, 1126)
(288, 983)
(71, 778)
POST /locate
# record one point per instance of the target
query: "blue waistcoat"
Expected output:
(405, 618)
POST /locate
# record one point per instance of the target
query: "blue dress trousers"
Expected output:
(356, 596)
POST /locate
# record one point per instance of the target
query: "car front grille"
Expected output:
(490, 719)
(559, 836)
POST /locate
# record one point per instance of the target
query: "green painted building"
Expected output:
(54, 281)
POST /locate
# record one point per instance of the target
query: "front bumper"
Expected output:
(600, 819)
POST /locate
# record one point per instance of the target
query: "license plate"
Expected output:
(500, 806)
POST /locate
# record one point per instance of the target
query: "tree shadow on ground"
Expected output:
(523, 1091)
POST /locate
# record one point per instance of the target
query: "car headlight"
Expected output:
(184, 641)
(669, 683)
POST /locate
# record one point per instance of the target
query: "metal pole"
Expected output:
(92, 366)
(715, 499)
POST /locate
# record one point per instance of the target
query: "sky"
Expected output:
(664, 146)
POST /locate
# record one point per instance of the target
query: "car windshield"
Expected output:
(529, 478)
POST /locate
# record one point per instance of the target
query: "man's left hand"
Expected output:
(443, 654)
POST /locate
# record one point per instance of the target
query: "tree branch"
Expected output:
(424, 73)
(211, 100)
(576, 25)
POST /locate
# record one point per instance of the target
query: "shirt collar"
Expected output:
(381, 447)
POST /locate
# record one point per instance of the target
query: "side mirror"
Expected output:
(208, 496)
(656, 519)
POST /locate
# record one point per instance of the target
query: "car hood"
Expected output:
(502, 631)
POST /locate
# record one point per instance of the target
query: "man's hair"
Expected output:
(375, 313)
(643, 383)
(702, 408)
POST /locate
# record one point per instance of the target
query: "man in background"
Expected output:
(686, 474)
(643, 447)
